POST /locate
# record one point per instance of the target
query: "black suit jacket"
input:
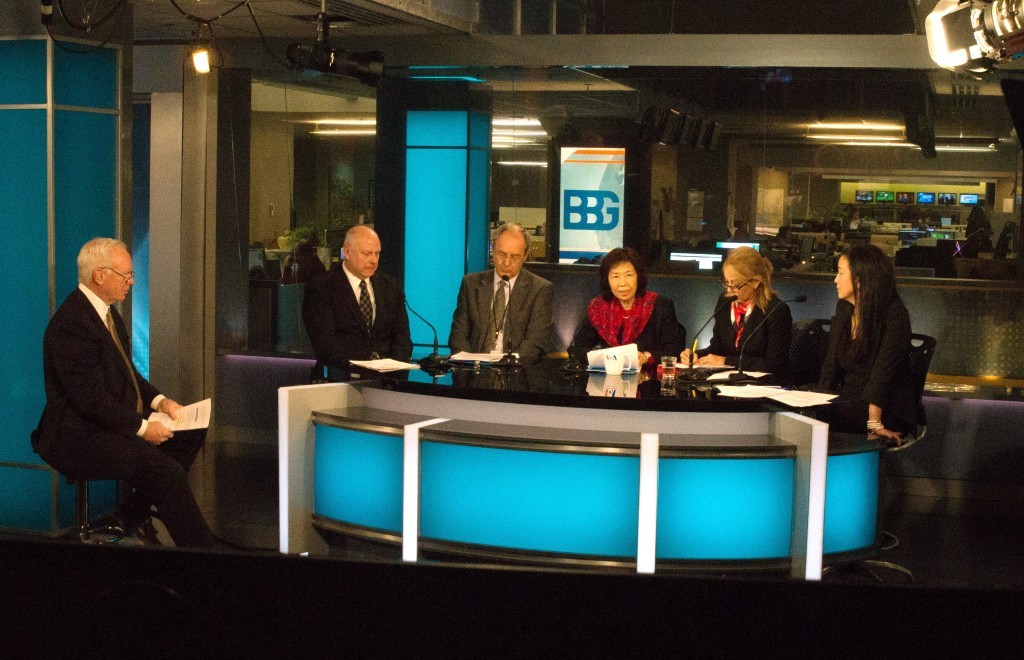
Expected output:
(335, 325)
(529, 322)
(888, 383)
(663, 334)
(767, 349)
(90, 401)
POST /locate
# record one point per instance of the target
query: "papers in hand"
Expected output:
(628, 353)
(195, 416)
(385, 364)
(465, 356)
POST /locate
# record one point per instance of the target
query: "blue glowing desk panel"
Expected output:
(559, 484)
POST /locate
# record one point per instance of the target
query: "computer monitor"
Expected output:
(732, 245)
(885, 196)
(925, 198)
(904, 198)
(864, 196)
(946, 221)
(968, 198)
(949, 234)
(908, 236)
(947, 198)
(705, 260)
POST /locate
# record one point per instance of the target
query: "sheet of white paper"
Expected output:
(465, 356)
(385, 364)
(194, 416)
(724, 375)
(747, 391)
(800, 399)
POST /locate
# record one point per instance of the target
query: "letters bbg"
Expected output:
(590, 209)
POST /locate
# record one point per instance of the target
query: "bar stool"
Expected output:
(85, 529)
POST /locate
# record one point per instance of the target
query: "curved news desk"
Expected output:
(531, 468)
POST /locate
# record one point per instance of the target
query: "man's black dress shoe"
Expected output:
(146, 533)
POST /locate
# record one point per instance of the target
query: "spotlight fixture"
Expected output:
(366, 67)
(975, 35)
(201, 48)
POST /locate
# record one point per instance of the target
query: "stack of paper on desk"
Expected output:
(385, 364)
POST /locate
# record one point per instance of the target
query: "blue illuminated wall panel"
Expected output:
(22, 72)
(84, 163)
(85, 160)
(23, 187)
(447, 175)
(529, 500)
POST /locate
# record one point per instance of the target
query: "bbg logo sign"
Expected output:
(590, 209)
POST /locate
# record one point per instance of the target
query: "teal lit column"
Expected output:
(446, 197)
(59, 125)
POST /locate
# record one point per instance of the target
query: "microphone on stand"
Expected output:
(508, 359)
(739, 376)
(432, 362)
(724, 300)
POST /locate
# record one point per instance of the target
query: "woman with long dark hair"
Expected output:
(627, 313)
(866, 362)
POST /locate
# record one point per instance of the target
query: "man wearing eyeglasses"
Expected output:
(505, 309)
(94, 425)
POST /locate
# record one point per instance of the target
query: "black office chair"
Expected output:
(919, 358)
(807, 350)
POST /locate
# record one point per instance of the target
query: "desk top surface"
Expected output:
(549, 383)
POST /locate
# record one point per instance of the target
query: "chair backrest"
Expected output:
(807, 350)
(919, 358)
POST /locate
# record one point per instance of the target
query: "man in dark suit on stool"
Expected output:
(506, 308)
(353, 313)
(95, 423)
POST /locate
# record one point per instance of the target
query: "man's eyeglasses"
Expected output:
(130, 275)
(734, 287)
(502, 256)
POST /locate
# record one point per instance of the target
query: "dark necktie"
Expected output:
(497, 315)
(365, 305)
(740, 310)
(127, 362)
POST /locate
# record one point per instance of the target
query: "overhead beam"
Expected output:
(741, 50)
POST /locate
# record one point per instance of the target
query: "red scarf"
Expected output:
(740, 314)
(617, 326)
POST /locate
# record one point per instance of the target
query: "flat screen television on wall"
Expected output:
(885, 196)
(968, 198)
(864, 196)
(947, 198)
(904, 198)
(925, 198)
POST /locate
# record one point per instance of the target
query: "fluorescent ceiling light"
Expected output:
(525, 163)
(515, 121)
(862, 138)
(342, 122)
(514, 132)
(344, 131)
(855, 126)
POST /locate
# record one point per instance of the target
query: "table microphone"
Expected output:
(739, 376)
(432, 362)
(724, 300)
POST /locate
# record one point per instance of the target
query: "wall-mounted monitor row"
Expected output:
(945, 198)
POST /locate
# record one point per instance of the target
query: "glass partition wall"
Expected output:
(799, 162)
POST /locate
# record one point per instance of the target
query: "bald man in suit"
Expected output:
(354, 313)
(95, 422)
